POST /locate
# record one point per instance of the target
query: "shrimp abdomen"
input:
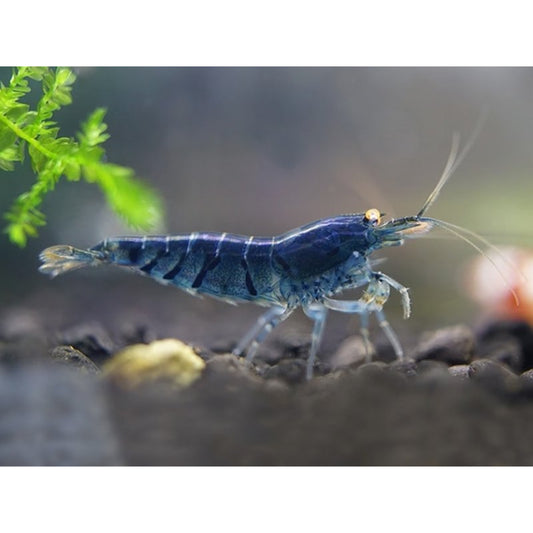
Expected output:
(208, 263)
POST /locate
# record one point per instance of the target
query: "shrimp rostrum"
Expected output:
(305, 267)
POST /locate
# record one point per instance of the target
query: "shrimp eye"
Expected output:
(373, 216)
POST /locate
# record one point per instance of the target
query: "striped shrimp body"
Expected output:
(301, 268)
(304, 267)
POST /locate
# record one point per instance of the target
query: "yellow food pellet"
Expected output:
(167, 359)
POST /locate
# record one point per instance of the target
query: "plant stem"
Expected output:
(21, 133)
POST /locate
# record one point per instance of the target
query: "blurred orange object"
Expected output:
(487, 286)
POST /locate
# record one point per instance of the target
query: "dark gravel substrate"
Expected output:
(459, 398)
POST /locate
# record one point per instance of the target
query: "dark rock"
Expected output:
(526, 380)
(90, 339)
(279, 386)
(526, 383)
(289, 370)
(494, 376)
(230, 366)
(258, 365)
(405, 367)
(430, 371)
(527, 376)
(372, 369)
(321, 368)
(202, 352)
(503, 349)
(461, 372)
(517, 329)
(428, 365)
(68, 355)
(351, 352)
(330, 379)
(453, 345)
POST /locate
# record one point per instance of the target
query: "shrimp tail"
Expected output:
(62, 258)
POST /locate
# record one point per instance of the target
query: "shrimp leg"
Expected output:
(404, 292)
(372, 300)
(318, 313)
(264, 325)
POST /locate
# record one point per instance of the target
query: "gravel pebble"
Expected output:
(519, 330)
(503, 349)
(527, 376)
(67, 355)
(405, 366)
(461, 372)
(90, 339)
(374, 368)
(430, 371)
(526, 380)
(289, 370)
(453, 345)
(429, 365)
(351, 352)
(230, 365)
(494, 376)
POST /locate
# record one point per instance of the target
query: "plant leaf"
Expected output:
(53, 156)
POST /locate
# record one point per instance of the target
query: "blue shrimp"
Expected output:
(304, 267)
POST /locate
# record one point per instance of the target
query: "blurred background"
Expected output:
(260, 151)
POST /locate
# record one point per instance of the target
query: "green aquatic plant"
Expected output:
(32, 131)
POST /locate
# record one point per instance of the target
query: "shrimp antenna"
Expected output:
(454, 160)
(460, 232)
